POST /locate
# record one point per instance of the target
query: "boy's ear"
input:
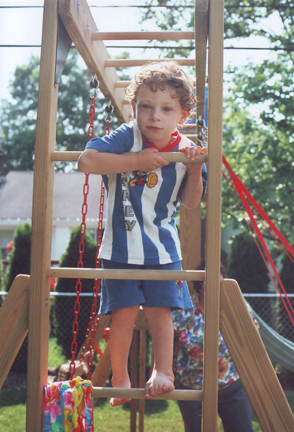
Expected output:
(134, 109)
(184, 116)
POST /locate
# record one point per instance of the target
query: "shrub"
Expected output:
(64, 306)
(20, 257)
(246, 265)
(19, 263)
(287, 278)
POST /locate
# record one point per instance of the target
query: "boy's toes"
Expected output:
(118, 401)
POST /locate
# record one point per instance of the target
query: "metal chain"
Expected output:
(75, 328)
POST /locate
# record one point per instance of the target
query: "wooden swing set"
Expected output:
(26, 308)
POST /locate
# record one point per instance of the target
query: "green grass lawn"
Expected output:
(160, 416)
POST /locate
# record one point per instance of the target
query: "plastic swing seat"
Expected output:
(68, 406)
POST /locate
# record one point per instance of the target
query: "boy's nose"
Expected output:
(155, 114)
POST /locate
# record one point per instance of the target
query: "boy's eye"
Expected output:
(145, 106)
(167, 109)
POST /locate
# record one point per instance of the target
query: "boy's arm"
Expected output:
(193, 189)
(95, 162)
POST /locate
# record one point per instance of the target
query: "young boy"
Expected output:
(140, 233)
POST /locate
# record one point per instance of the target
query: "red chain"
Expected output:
(75, 326)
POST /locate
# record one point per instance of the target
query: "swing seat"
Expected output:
(68, 406)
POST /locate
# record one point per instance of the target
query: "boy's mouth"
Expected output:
(153, 128)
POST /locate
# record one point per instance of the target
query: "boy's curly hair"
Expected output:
(164, 75)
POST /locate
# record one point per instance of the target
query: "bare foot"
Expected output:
(121, 384)
(157, 384)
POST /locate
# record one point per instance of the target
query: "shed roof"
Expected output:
(16, 191)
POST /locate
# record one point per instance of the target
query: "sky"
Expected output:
(23, 26)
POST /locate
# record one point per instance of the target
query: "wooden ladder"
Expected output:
(74, 17)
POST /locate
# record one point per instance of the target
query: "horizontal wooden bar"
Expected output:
(122, 84)
(138, 393)
(72, 156)
(141, 62)
(144, 35)
(187, 126)
(89, 273)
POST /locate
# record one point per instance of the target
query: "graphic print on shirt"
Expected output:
(142, 178)
(129, 217)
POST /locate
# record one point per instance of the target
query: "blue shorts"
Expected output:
(120, 293)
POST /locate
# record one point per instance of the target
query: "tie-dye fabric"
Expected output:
(68, 406)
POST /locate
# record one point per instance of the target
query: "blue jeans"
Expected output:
(234, 409)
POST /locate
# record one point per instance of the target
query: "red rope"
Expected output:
(244, 194)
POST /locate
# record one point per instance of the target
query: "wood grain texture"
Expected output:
(252, 361)
(14, 323)
(213, 214)
(79, 23)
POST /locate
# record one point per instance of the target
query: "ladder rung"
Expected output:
(187, 126)
(141, 62)
(122, 84)
(72, 156)
(89, 273)
(137, 393)
(144, 35)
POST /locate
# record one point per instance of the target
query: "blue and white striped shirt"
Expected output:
(140, 226)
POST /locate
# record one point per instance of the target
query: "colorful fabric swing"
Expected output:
(68, 406)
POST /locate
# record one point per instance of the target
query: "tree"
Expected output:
(246, 265)
(258, 125)
(19, 263)
(287, 278)
(18, 118)
(19, 257)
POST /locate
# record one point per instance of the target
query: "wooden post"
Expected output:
(42, 222)
(142, 377)
(134, 379)
(190, 237)
(252, 361)
(213, 216)
(14, 323)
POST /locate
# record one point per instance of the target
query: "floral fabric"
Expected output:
(68, 406)
(188, 353)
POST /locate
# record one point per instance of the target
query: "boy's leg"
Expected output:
(161, 326)
(121, 333)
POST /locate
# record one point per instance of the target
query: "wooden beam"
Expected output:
(201, 31)
(140, 62)
(137, 393)
(213, 215)
(143, 35)
(252, 361)
(39, 309)
(142, 377)
(88, 273)
(170, 157)
(79, 23)
(14, 323)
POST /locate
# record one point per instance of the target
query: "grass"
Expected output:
(160, 416)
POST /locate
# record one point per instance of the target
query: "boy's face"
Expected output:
(158, 114)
